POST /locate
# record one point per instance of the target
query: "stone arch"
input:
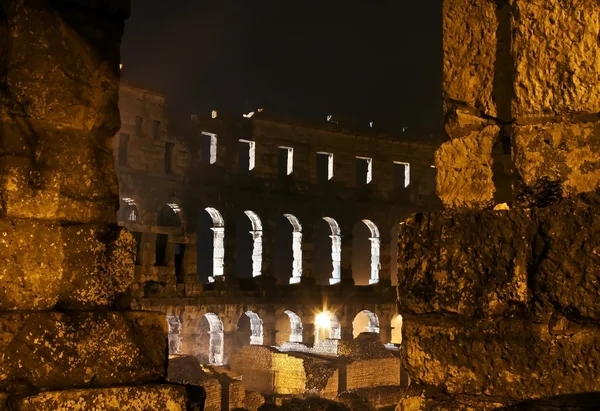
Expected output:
(249, 246)
(249, 330)
(366, 250)
(169, 215)
(327, 326)
(365, 321)
(174, 327)
(128, 210)
(396, 329)
(334, 249)
(210, 340)
(289, 328)
(210, 245)
(288, 254)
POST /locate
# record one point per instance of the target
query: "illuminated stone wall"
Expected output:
(500, 306)
(63, 259)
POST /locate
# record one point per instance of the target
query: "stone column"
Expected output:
(60, 245)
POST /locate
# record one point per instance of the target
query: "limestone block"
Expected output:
(98, 264)
(31, 272)
(556, 56)
(464, 170)
(141, 398)
(56, 172)
(63, 65)
(510, 358)
(563, 152)
(51, 350)
(469, 47)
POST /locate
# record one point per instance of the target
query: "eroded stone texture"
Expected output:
(503, 303)
(49, 350)
(470, 53)
(566, 153)
(556, 57)
(98, 265)
(464, 170)
(142, 398)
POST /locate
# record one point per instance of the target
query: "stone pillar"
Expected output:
(269, 333)
(59, 241)
(522, 101)
(346, 256)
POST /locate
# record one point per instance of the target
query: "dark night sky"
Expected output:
(367, 60)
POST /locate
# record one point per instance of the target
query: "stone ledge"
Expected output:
(52, 350)
(141, 398)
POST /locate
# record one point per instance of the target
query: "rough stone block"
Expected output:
(31, 272)
(562, 152)
(51, 350)
(556, 57)
(98, 264)
(464, 170)
(142, 398)
(469, 47)
(507, 358)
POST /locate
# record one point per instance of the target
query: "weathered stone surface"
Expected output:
(470, 53)
(561, 152)
(31, 272)
(98, 265)
(503, 262)
(51, 350)
(78, 266)
(464, 170)
(556, 57)
(141, 398)
(510, 358)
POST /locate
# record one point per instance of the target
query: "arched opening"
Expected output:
(394, 255)
(327, 254)
(249, 330)
(397, 329)
(327, 326)
(288, 250)
(365, 322)
(249, 245)
(365, 253)
(289, 328)
(128, 210)
(168, 216)
(174, 326)
(209, 343)
(210, 245)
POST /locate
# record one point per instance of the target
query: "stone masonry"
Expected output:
(500, 306)
(63, 259)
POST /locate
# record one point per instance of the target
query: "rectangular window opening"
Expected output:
(247, 154)
(324, 167)
(401, 175)
(179, 253)
(138, 125)
(209, 148)
(364, 170)
(161, 249)
(123, 148)
(155, 128)
(285, 161)
(169, 158)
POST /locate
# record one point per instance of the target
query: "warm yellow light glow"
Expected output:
(323, 320)
(214, 114)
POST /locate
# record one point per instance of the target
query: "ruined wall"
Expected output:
(63, 259)
(500, 306)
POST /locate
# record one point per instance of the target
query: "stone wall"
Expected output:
(499, 306)
(63, 259)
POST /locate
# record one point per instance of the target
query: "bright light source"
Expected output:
(214, 114)
(329, 117)
(250, 114)
(174, 207)
(120, 66)
(323, 320)
(371, 124)
(432, 166)
(129, 201)
(260, 110)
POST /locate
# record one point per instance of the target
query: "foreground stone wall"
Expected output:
(500, 306)
(63, 259)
